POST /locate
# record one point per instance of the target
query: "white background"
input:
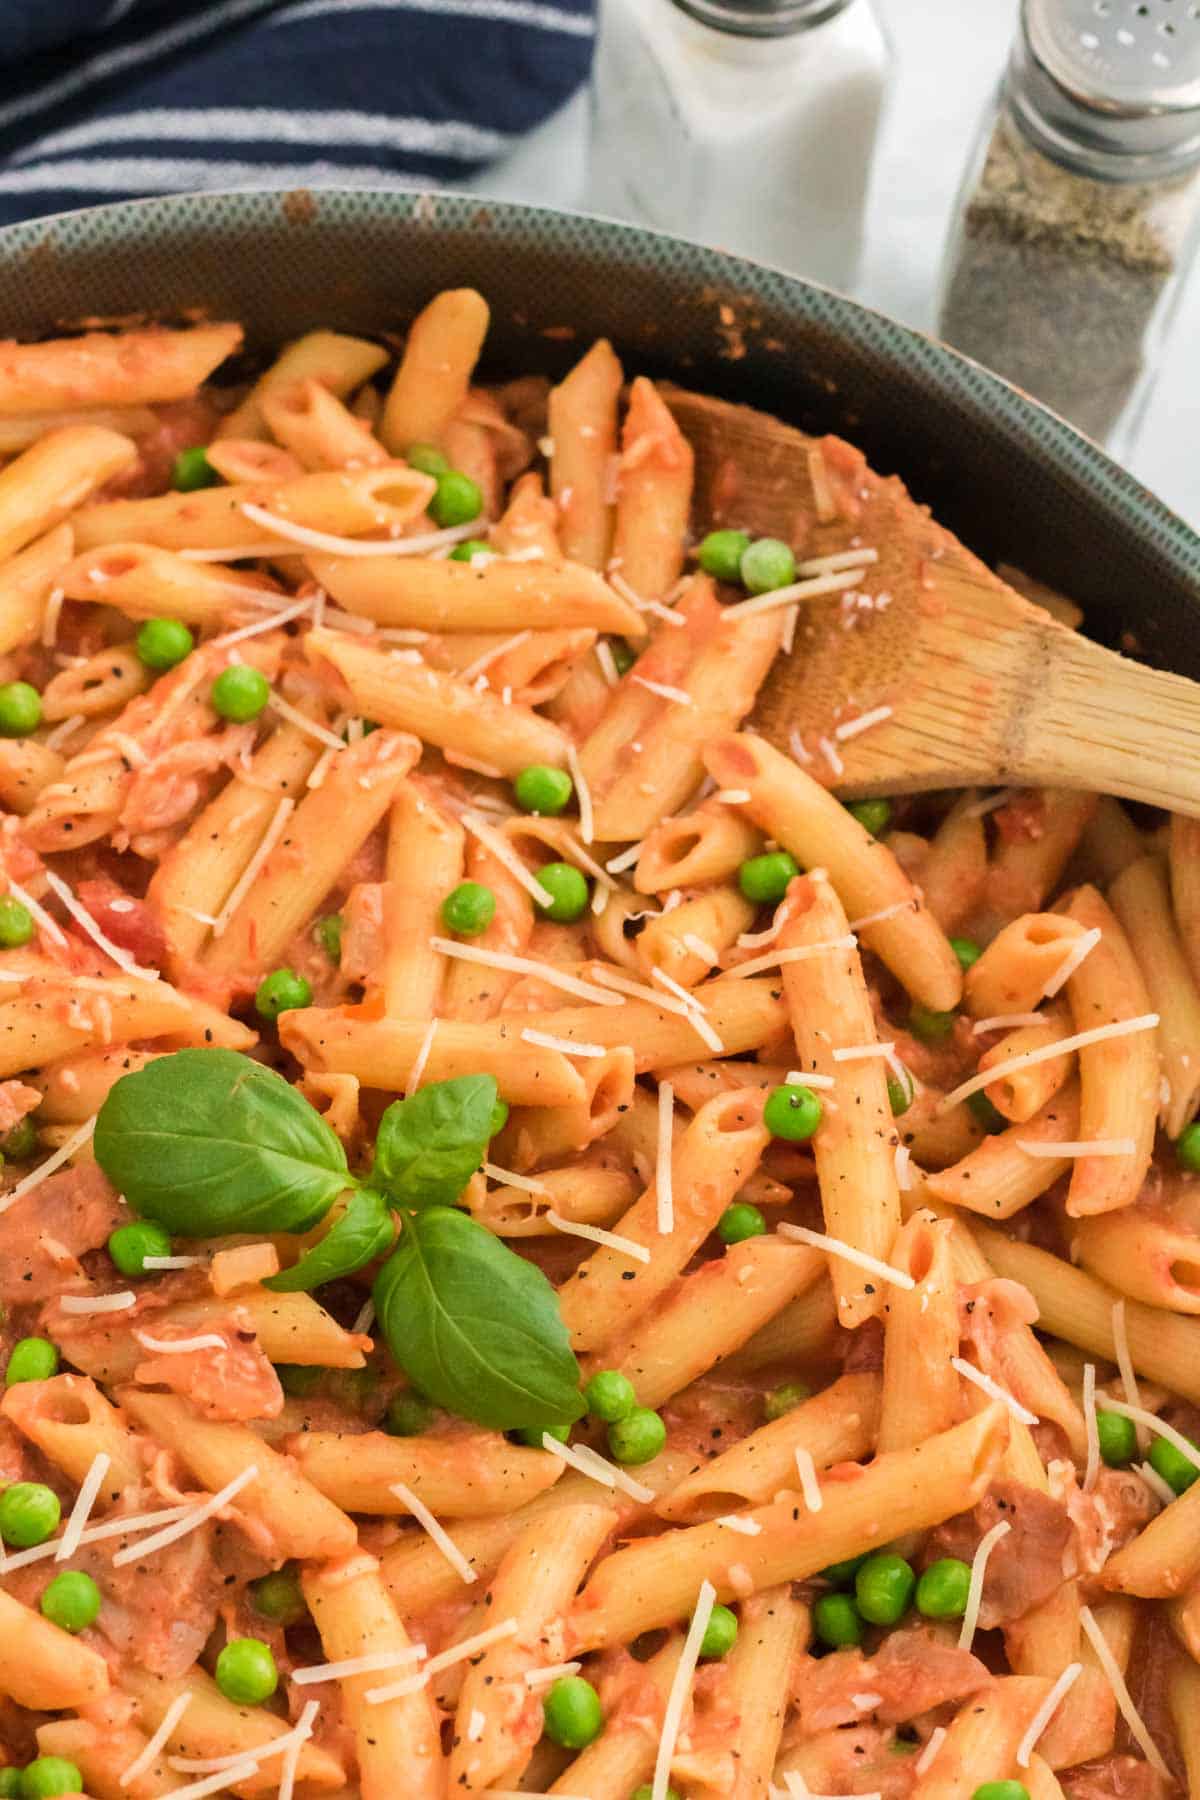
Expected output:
(949, 56)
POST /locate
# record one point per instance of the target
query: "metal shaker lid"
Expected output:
(762, 18)
(1111, 87)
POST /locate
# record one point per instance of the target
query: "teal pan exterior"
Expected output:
(1014, 481)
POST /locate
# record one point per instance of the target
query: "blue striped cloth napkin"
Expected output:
(106, 99)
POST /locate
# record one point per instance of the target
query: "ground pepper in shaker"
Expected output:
(1079, 214)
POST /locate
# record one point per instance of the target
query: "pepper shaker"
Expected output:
(1078, 217)
(749, 124)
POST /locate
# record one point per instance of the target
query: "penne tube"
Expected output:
(355, 1616)
(654, 1581)
(695, 848)
(424, 863)
(42, 1667)
(535, 1591)
(440, 709)
(789, 805)
(26, 583)
(1110, 841)
(54, 1019)
(290, 1328)
(999, 1178)
(321, 432)
(442, 348)
(622, 1758)
(328, 828)
(1163, 1560)
(954, 868)
(125, 368)
(345, 502)
(936, 1135)
(744, 1014)
(920, 1397)
(773, 1632)
(1141, 899)
(529, 522)
(103, 1746)
(213, 1726)
(54, 476)
(19, 430)
(26, 768)
(582, 423)
(855, 1141)
(802, 1333)
(534, 1136)
(1034, 841)
(580, 1194)
(690, 941)
(719, 1150)
(1142, 1254)
(338, 363)
(1183, 1700)
(468, 1475)
(76, 1088)
(248, 459)
(1118, 1078)
(421, 592)
(1184, 863)
(654, 495)
(1023, 1092)
(1015, 970)
(148, 583)
(837, 1425)
(985, 1733)
(71, 1422)
(382, 1053)
(709, 1314)
(99, 684)
(285, 1508)
(1079, 1307)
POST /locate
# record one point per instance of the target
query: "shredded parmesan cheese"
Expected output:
(470, 1646)
(41, 917)
(98, 1303)
(937, 1738)
(1078, 1147)
(1123, 1358)
(50, 617)
(778, 959)
(476, 1725)
(419, 1061)
(485, 661)
(886, 912)
(63, 1154)
(864, 722)
(171, 1262)
(733, 796)
(148, 1754)
(1116, 1681)
(901, 1162)
(507, 1178)
(291, 1756)
(583, 794)
(681, 1687)
(205, 1340)
(1098, 1034)
(223, 1778)
(840, 559)
(698, 947)
(81, 1511)
(524, 965)
(800, 1234)
(1162, 1490)
(302, 722)
(663, 689)
(1080, 950)
(608, 666)
(597, 1468)
(196, 1516)
(735, 1522)
(54, 739)
(419, 545)
(1092, 1468)
(987, 1544)
(376, 1662)
(833, 583)
(994, 1391)
(836, 765)
(810, 1487)
(271, 623)
(1006, 1022)
(440, 1536)
(862, 1052)
(535, 1678)
(664, 1195)
(504, 853)
(546, 1040)
(249, 875)
(1046, 1712)
(596, 1234)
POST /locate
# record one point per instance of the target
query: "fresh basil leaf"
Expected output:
(474, 1326)
(207, 1142)
(364, 1231)
(428, 1146)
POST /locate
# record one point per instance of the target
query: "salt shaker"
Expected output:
(1078, 217)
(749, 124)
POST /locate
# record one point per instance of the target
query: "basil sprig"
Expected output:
(207, 1143)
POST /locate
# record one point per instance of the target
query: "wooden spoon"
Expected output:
(985, 688)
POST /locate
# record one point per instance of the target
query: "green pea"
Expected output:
(161, 643)
(785, 1399)
(986, 1113)
(841, 1574)
(930, 1026)
(328, 933)
(279, 1597)
(900, 1093)
(837, 1621)
(29, 1514)
(739, 1222)
(20, 1142)
(193, 470)
(721, 552)
(1187, 1149)
(298, 1380)
(766, 565)
(499, 1118)
(16, 923)
(568, 891)
(246, 1672)
(408, 1414)
(623, 657)
(20, 709)
(281, 991)
(720, 1634)
(884, 1588)
(533, 1434)
(50, 1775)
(542, 789)
(872, 815)
(457, 500)
(966, 950)
(428, 459)
(1118, 1439)
(31, 1359)
(792, 1112)
(644, 1792)
(71, 1601)
(903, 1747)
(764, 879)
(130, 1245)
(470, 549)
(469, 908)
(239, 693)
(572, 1713)
(638, 1437)
(943, 1588)
(10, 1783)
(1001, 1790)
(1174, 1467)
(610, 1396)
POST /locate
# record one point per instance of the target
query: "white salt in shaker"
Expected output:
(749, 124)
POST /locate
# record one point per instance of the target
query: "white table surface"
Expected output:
(949, 55)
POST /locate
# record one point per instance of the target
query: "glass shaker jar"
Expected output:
(749, 124)
(1079, 213)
